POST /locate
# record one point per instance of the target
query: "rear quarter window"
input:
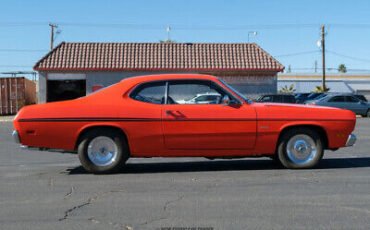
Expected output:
(153, 92)
(337, 99)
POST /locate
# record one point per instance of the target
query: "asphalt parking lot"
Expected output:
(46, 190)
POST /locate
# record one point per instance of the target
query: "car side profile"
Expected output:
(278, 98)
(344, 101)
(150, 116)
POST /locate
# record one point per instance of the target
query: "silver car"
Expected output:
(344, 101)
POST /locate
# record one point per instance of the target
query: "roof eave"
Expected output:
(160, 69)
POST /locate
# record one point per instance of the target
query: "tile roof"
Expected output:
(158, 57)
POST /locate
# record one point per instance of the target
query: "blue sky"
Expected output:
(284, 27)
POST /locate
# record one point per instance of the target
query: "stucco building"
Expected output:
(337, 82)
(72, 70)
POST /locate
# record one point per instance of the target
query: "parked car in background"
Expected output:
(278, 98)
(301, 97)
(344, 101)
(142, 117)
(360, 96)
(312, 96)
(203, 98)
(316, 98)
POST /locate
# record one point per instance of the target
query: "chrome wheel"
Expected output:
(102, 151)
(301, 149)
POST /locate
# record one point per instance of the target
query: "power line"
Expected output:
(22, 50)
(20, 24)
(11, 66)
(350, 26)
(161, 27)
(190, 27)
(296, 54)
(349, 57)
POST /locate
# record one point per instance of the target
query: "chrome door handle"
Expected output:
(174, 113)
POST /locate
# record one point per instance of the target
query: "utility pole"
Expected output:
(315, 66)
(52, 34)
(323, 57)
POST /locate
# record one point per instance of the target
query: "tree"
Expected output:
(319, 89)
(286, 89)
(342, 68)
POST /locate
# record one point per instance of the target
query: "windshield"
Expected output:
(320, 96)
(236, 92)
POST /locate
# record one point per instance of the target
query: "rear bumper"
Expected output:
(351, 140)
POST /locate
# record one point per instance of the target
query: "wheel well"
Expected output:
(318, 129)
(89, 129)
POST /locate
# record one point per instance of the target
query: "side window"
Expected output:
(289, 99)
(150, 92)
(352, 99)
(337, 99)
(278, 98)
(266, 99)
(194, 92)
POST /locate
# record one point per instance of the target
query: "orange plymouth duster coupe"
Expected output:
(181, 115)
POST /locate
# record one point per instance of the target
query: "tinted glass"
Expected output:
(320, 96)
(278, 98)
(361, 97)
(194, 92)
(289, 99)
(337, 99)
(150, 93)
(352, 99)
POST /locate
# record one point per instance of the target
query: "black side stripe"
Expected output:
(97, 119)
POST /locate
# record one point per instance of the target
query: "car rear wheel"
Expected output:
(103, 151)
(300, 148)
(368, 113)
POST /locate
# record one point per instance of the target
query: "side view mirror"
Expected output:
(226, 101)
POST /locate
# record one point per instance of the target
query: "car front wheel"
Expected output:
(103, 151)
(300, 148)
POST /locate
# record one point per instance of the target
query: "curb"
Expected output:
(6, 118)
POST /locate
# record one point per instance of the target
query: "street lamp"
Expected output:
(252, 32)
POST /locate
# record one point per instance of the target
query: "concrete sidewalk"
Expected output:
(7, 118)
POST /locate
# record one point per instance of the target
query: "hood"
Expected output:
(304, 112)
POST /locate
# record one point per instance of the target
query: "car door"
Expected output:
(354, 104)
(335, 101)
(191, 126)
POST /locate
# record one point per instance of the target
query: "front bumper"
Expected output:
(16, 137)
(351, 140)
